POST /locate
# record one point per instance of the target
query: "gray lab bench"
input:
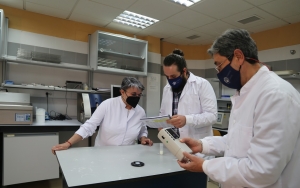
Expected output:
(26, 147)
(110, 166)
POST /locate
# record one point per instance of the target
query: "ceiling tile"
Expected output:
(220, 8)
(32, 7)
(158, 9)
(267, 26)
(123, 4)
(233, 20)
(182, 38)
(293, 19)
(89, 20)
(258, 2)
(215, 28)
(190, 19)
(209, 18)
(57, 4)
(124, 28)
(186, 34)
(163, 30)
(202, 42)
(282, 8)
(96, 10)
(12, 3)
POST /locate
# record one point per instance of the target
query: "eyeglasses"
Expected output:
(218, 66)
(134, 94)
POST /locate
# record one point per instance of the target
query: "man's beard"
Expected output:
(180, 88)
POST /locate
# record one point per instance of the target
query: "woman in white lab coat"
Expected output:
(118, 120)
(196, 109)
(262, 147)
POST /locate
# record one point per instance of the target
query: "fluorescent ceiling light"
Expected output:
(135, 20)
(186, 3)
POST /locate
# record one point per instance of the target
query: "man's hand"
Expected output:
(58, 147)
(146, 141)
(194, 144)
(194, 163)
(177, 121)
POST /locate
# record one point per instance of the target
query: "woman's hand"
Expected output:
(146, 141)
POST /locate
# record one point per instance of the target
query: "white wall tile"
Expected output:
(277, 54)
(195, 64)
(1, 73)
(21, 73)
(154, 58)
(209, 63)
(153, 94)
(14, 35)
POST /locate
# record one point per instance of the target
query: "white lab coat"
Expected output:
(262, 147)
(197, 102)
(118, 125)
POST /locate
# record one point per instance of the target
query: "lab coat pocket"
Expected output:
(243, 143)
(193, 104)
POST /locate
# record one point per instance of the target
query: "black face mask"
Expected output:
(132, 101)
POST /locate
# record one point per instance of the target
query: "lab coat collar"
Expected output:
(192, 78)
(124, 107)
(255, 78)
(121, 101)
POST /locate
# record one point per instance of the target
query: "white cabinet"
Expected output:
(113, 53)
(27, 157)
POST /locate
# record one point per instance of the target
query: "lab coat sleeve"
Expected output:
(208, 103)
(88, 128)
(143, 131)
(214, 145)
(275, 133)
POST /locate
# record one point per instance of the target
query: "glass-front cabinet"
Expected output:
(113, 53)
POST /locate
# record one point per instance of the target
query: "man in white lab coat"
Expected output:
(262, 147)
(188, 98)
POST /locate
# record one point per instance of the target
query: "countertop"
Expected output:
(94, 165)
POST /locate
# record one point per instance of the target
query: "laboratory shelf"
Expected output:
(291, 77)
(40, 63)
(52, 88)
(119, 71)
(118, 54)
(121, 54)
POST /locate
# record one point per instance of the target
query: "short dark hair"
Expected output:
(176, 58)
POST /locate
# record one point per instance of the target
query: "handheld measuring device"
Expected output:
(171, 140)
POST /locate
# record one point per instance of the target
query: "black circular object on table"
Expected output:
(137, 163)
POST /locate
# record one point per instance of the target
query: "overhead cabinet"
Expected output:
(113, 53)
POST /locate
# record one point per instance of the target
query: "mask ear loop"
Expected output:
(257, 61)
